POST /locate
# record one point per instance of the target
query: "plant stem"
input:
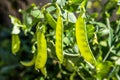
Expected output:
(74, 55)
(107, 54)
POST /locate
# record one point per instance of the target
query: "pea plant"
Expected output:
(83, 45)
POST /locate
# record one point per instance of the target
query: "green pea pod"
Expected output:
(59, 42)
(50, 20)
(29, 63)
(72, 76)
(81, 38)
(44, 72)
(15, 43)
(41, 50)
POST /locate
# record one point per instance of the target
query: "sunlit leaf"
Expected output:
(36, 13)
(70, 17)
(90, 30)
(118, 11)
(61, 2)
(75, 1)
(103, 69)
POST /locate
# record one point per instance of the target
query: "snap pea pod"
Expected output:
(41, 50)
(59, 42)
(44, 71)
(15, 43)
(29, 63)
(50, 20)
(81, 38)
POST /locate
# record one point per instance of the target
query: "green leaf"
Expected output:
(66, 41)
(68, 65)
(103, 69)
(90, 30)
(110, 38)
(100, 24)
(16, 24)
(69, 16)
(110, 4)
(75, 1)
(50, 9)
(36, 13)
(71, 7)
(15, 21)
(16, 30)
(61, 2)
(104, 32)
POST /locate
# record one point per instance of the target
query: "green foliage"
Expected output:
(70, 43)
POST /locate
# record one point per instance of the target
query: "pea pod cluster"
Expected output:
(40, 58)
